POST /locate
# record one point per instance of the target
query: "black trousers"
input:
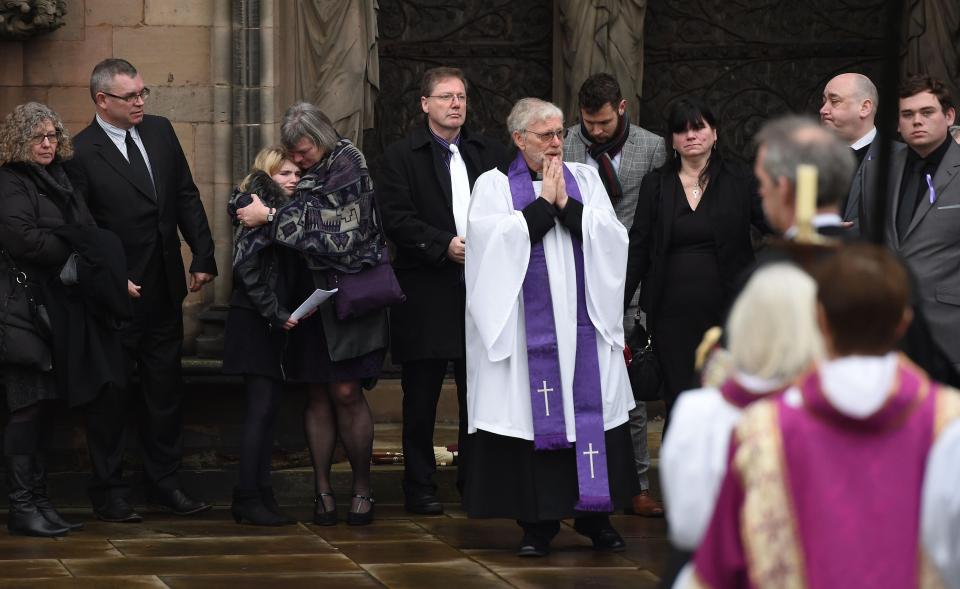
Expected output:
(152, 346)
(421, 381)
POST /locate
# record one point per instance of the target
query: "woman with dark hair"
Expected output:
(690, 241)
(255, 334)
(36, 198)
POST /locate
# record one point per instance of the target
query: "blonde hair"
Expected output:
(772, 328)
(269, 160)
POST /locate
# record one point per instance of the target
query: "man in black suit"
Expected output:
(137, 183)
(849, 109)
(423, 195)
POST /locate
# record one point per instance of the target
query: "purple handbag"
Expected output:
(368, 290)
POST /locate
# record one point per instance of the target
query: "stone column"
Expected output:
(593, 36)
(330, 57)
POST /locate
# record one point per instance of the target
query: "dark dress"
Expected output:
(695, 296)
(307, 358)
(689, 263)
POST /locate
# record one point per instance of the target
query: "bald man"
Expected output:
(849, 108)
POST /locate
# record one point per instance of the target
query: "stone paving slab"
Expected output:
(461, 574)
(397, 551)
(118, 582)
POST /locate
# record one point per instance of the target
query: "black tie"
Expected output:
(139, 167)
(911, 195)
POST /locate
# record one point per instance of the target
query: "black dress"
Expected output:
(694, 297)
(307, 356)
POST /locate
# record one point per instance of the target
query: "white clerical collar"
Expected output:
(819, 220)
(756, 384)
(858, 386)
(865, 140)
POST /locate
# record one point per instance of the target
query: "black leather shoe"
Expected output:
(178, 503)
(604, 537)
(424, 505)
(531, 545)
(117, 510)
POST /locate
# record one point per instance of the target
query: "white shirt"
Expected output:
(498, 386)
(119, 138)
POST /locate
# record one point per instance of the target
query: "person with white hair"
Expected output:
(772, 339)
(547, 388)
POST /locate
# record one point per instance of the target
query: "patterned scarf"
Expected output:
(603, 154)
(332, 217)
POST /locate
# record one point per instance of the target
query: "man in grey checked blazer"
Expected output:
(627, 152)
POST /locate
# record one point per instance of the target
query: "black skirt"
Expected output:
(250, 346)
(508, 479)
(308, 360)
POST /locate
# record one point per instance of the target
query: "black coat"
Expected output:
(87, 317)
(415, 201)
(144, 224)
(735, 208)
(30, 212)
(261, 281)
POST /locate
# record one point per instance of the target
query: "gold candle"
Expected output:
(806, 206)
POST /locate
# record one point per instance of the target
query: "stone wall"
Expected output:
(182, 50)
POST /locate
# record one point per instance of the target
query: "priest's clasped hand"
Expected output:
(554, 189)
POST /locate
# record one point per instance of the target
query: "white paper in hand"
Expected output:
(313, 301)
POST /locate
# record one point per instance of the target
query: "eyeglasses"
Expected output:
(448, 97)
(130, 98)
(549, 135)
(51, 137)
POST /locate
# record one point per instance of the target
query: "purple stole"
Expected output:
(739, 397)
(546, 399)
(856, 484)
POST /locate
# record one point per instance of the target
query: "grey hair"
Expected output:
(530, 110)
(304, 119)
(772, 328)
(19, 127)
(101, 80)
(955, 132)
(793, 140)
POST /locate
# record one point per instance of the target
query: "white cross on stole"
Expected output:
(546, 400)
(590, 453)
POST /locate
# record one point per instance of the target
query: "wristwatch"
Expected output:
(270, 215)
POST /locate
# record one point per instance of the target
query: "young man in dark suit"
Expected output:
(137, 183)
(923, 206)
(423, 195)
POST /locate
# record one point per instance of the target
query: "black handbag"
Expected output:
(643, 369)
(25, 324)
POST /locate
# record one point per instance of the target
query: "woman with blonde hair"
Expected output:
(255, 334)
(772, 337)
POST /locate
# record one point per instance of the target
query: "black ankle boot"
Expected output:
(270, 502)
(42, 500)
(24, 519)
(248, 506)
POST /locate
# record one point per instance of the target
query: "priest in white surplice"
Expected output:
(548, 392)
